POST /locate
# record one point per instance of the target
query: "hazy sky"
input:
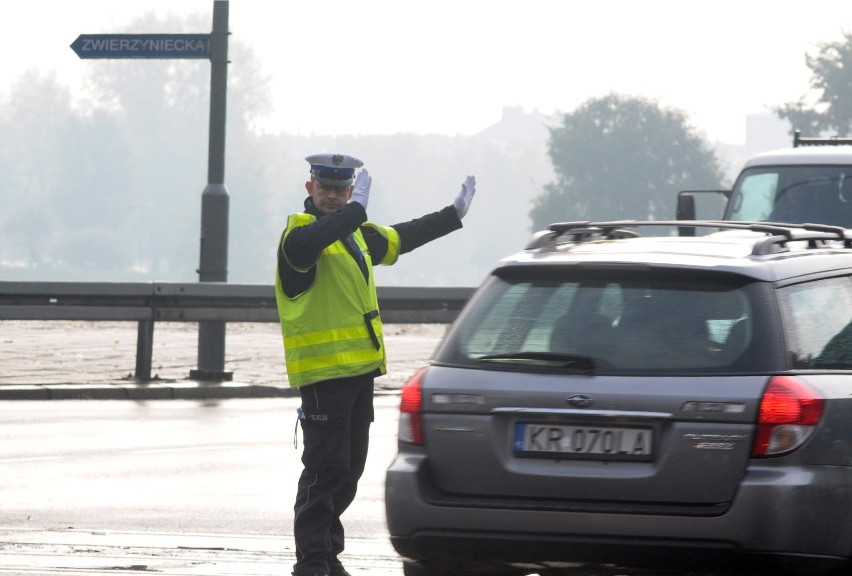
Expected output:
(450, 66)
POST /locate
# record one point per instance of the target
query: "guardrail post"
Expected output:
(144, 350)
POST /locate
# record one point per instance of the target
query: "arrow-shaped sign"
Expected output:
(142, 46)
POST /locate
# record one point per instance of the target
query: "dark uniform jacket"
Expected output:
(305, 243)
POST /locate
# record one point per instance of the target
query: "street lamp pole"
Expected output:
(213, 266)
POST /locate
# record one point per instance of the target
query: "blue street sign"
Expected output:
(142, 46)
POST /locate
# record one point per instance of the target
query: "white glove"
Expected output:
(465, 197)
(361, 193)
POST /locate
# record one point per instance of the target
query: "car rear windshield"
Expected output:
(608, 322)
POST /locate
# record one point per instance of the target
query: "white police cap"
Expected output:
(334, 169)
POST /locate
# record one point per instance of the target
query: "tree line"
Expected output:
(110, 189)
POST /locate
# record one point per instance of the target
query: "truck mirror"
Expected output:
(685, 211)
(685, 206)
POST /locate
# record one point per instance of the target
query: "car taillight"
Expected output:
(410, 410)
(789, 412)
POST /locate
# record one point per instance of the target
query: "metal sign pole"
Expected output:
(213, 266)
(214, 200)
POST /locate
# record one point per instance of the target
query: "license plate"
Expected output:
(536, 440)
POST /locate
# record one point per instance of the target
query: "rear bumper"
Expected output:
(549, 551)
(783, 516)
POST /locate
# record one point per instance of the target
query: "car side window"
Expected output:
(817, 319)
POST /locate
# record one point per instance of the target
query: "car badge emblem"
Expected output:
(581, 400)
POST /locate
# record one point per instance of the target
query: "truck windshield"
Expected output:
(793, 194)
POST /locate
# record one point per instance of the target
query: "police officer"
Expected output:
(333, 343)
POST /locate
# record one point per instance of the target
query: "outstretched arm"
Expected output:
(417, 232)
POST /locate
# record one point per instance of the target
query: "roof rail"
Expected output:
(776, 239)
(799, 140)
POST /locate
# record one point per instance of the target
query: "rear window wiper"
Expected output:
(552, 359)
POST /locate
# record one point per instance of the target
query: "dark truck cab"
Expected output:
(808, 183)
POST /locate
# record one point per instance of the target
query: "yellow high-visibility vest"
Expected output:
(333, 329)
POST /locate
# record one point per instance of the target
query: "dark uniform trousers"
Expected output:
(336, 418)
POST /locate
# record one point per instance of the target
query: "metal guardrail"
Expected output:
(148, 303)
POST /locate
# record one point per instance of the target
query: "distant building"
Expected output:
(764, 131)
(517, 126)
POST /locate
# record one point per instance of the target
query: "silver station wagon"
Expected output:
(618, 399)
